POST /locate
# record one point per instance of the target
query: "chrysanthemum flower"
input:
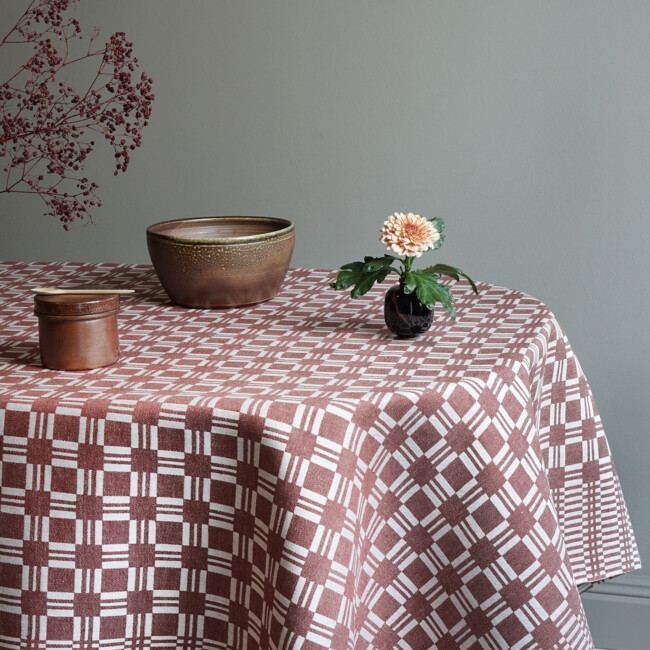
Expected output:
(409, 234)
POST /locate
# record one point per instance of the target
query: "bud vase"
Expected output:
(404, 314)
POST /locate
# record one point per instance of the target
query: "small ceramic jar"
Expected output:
(77, 332)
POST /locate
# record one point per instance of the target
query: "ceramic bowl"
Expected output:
(212, 262)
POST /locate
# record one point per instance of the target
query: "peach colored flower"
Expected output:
(409, 234)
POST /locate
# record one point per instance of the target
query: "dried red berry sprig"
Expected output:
(48, 127)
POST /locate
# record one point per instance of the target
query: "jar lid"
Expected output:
(71, 304)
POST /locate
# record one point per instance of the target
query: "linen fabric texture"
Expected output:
(289, 475)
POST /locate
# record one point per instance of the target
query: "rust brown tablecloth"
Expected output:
(290, 476)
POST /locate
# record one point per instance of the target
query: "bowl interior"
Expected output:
(219, 229)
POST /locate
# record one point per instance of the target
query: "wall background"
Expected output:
(525, 125)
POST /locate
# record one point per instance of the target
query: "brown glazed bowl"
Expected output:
(211, 262)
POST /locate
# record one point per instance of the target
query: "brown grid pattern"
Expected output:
(289, 476)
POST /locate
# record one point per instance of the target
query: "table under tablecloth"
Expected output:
(289, 475)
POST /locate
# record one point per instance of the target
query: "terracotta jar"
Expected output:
(77, 332)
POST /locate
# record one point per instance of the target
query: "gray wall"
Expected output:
(524, 124)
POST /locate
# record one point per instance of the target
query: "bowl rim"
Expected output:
(287, 228)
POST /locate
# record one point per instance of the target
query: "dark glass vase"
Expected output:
(405, 315)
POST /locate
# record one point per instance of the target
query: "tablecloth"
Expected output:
(290, 475)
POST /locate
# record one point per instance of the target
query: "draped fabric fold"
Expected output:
(289, 475)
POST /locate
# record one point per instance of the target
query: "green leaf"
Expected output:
(450, 271)
(439, 243)
(346, 278)
(367, 280)
(428, 291)
(363, 275)
(438, 224)
(375, 263)
(426, 294)
(443, 269)
(432, 276)
(353, 266)
(449, 306)
(409, 282)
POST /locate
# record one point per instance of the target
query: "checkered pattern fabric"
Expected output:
(290, 476)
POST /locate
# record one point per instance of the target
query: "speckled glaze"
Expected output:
(219, 262)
